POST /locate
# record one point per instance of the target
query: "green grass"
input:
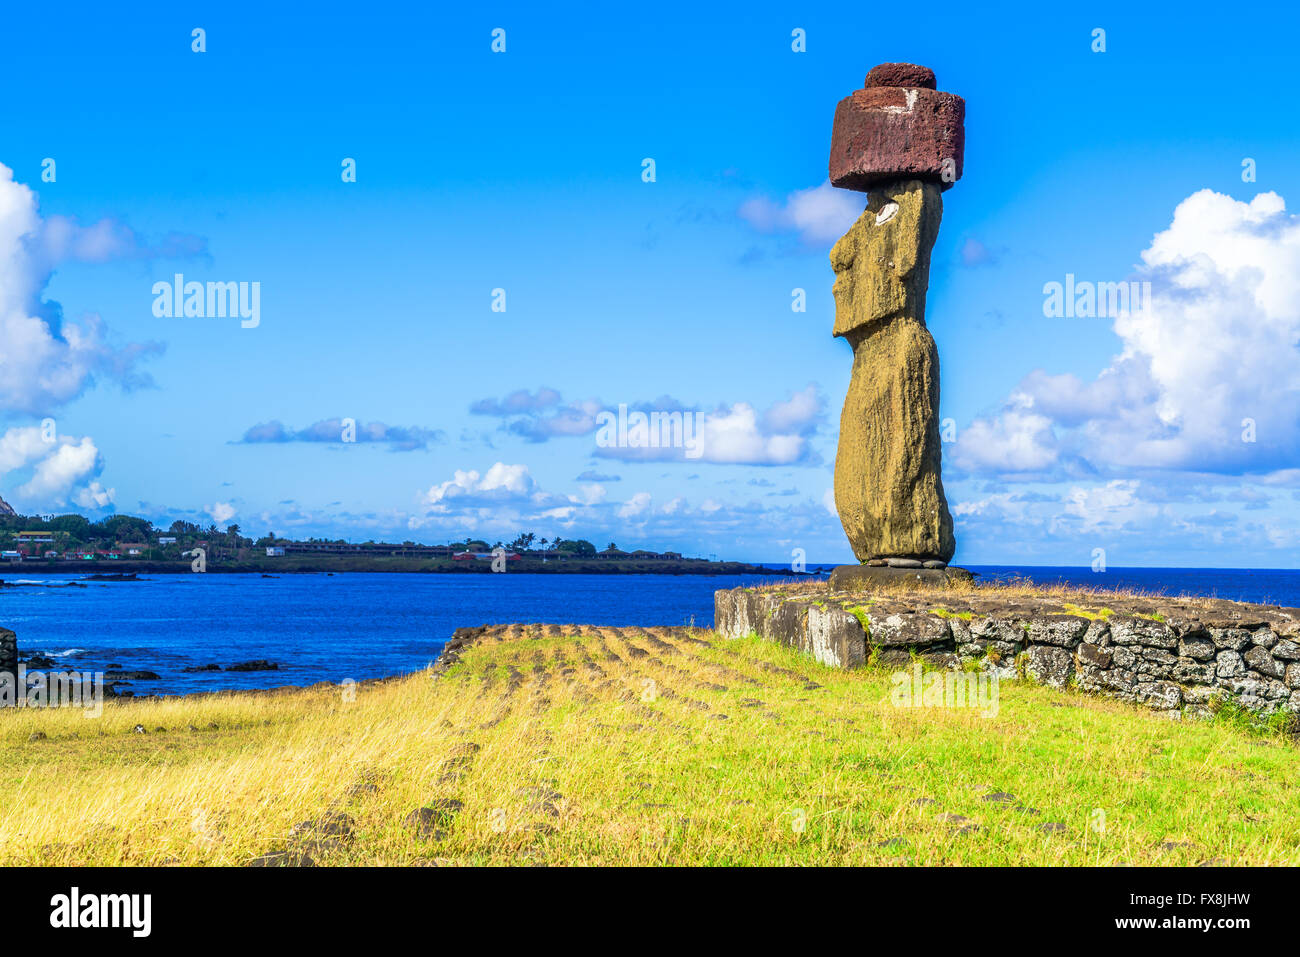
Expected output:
(554, 761)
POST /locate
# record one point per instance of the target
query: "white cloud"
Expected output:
(734, 435)
(95, 496)
(46, 361)
(517, 403)
(501, 483)
(796, 415)
(1110, 506)
(221, 512)
(820, 214)
(638, 504)
(1215, 354)
(52, 472)
(589, 495)
(1017, 440)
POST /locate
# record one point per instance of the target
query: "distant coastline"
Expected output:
(335, 564)
(125, 544)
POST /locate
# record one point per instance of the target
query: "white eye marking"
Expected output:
(886, 213)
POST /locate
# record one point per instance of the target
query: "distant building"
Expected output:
(166, 539)
(133, 548)
(11, 556)
(275, 551)
(43, 538)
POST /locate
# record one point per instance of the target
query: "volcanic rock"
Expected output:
(898, 127)
(888, 489)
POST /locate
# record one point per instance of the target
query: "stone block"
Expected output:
(906, 629)
(835, 637)
(1064, 631)
(1050, 665)
(1259, 659)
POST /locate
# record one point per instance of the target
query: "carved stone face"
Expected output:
(882, 263)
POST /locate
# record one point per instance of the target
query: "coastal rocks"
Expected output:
(260, 664)
(888, 490)
(901, 141)
(8, 653)
(1170, 655)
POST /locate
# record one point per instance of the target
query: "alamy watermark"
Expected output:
(1082, 299)
(59, 689)
(650, 430)
(213, 300)
(945, 689)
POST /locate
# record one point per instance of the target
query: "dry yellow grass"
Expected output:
(634, 746)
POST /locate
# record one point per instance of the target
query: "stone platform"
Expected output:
(1166, 653)
(852, 577)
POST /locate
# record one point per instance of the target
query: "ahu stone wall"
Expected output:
(1164, 653)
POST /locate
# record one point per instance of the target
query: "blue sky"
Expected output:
(522, 171)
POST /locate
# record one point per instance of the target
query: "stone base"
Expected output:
(853, 577)
(1165, 653)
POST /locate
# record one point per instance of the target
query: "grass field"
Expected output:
(639, 746)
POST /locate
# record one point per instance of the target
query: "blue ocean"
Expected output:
(319, 627)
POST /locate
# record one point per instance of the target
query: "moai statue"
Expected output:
(900, 141)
